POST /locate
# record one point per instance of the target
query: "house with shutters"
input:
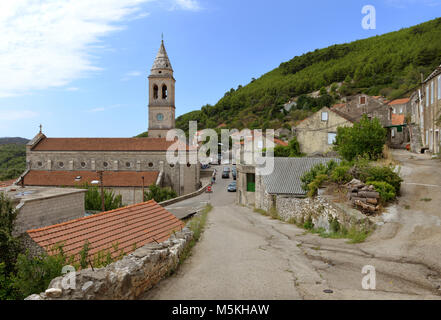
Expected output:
(316, 134)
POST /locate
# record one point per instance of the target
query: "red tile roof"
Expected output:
(399, 101)
(6, 183)
(131, 226)
(105, 144)
(397, 119)
(280, 142)
(339, 105)
(110, 178)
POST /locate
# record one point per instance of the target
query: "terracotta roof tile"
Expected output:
(397, 119)
(110, 178)
(105, 144)
(399, 101)
(7, 183)
(129, 227)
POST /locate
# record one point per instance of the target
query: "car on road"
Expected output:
(234, 172)
(226, 173)
(232, 187)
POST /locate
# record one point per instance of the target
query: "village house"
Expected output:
(128, 164)
(399, 133)
(431, 111)
(373, 106)
(316, 134)
(256, 190)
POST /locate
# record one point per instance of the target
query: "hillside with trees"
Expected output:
(389, 65)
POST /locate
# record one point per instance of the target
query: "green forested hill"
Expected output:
(389, 65)
(12, 161)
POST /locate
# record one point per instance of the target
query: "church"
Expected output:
(128, 165)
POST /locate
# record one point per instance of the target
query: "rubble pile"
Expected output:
(363, 197)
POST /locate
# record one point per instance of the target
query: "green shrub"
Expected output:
(341, 174)
(93, 202)
(386, 191)
(308, 225)
(159, 194)
(366, 138)
(385, 174)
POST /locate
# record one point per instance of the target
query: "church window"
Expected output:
(83, 164)
(40, 164)
(188, 165)
(128, 164)
(172, 165)
(150, 164)
(105, 164)
(155, 91)
(61, 164)
(164, 92)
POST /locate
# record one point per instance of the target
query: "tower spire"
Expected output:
(162, 61)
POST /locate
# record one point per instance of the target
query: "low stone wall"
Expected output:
(184, 197)
(126, 279)
(321, 211)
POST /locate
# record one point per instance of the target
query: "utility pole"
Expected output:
(142, 189)
(102, 190)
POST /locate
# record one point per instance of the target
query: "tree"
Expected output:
(159, 194)
(292, 150)
(9, 248)
(93, 199)
(366, 139)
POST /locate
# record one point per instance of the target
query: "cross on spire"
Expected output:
(41, 127)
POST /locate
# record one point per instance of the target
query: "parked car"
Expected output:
(234, 172)
(226, 173)
(205, 166)
(232, 187)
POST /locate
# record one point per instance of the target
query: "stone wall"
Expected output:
(42, 212)
(321, 210)
(126, 279)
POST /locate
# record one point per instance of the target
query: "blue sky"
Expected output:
(80, 67)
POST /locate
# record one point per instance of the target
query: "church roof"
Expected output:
(162, 61)
(105, 144)
(60, 178)
(130, 227)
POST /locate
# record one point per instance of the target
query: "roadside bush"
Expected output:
(384, 174)
(366, 138)
(159, 194)
(318, 169)
(386, 191)
(341, 174)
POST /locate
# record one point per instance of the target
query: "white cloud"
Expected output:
(192, 5)
(131, 74)
(48, 43)
(72, 89)
(13, 115)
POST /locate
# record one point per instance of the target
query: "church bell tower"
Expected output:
(161, 96)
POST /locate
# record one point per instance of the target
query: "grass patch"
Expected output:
(426, 199)
(197, 225)
(407, 207)
(261, 211)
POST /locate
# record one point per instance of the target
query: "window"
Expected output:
(432, 93)
(393, 132)
(331, 137)
(362, 100)
(164, 91)
(439, 87)
(83, 164)
(155, 91)
(39, 163)
(150, 164)
(324, 116)
(128, 164)
(61, 164)
(105, 164)
(427, 96)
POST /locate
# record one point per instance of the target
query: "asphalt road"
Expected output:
(244, 255)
